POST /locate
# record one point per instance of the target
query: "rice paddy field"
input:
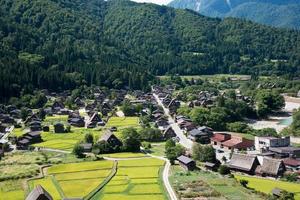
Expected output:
(123, 122)
(125, 155)
(135, 179)
(267, 185)
(74, 180)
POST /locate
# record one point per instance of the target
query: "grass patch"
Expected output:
(158, 149)
(50, 120)
(11, 190)
(266, 185)
(18, 171)
(228, 188)
(23, 158)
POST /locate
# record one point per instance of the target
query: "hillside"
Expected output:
(279, 13)
(61, 44)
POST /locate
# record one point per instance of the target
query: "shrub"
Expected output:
(244, 183)
(224, 169)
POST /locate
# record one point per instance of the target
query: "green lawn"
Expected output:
(228, 188)
(135, 179)
(158, 149)
(50, 120)
(266, 185)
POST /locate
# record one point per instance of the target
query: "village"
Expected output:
(95, 123)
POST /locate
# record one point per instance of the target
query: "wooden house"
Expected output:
(186, 163)
(243, 163)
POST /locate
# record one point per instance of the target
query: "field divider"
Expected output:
(87, 170)
(58, 188)
(101, 186)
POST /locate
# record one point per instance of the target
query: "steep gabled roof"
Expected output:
(39, 193)
(242, 161)
(271, 166)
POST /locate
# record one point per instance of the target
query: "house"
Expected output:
(35, 126)
(87, 147)
(276, 192)
(39, 193)
(284, 152)
(237, 143)
(292, 164)
(264, 143)
(2, 128)
(271, 167)
(218, 138)
(211, 166)
(169, 133)
(94, 120)
(79, 102)
(57, 106)
(77, 122)
(186, 163)
(31, 118)
(162, 123)
(59, 128)
(111, 139)
(200, 135)
(243, 163)
(27, 139)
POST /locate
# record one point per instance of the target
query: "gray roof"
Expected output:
(284, 149)
(271, 166)
(242, 161)
(184, 159)
(39, 193)
(106, 136)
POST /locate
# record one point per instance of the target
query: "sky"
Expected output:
(160, 2)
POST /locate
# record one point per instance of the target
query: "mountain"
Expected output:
(278, 13)
(63, 44)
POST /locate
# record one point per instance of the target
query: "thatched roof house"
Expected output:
(243, 163)
(39, 193)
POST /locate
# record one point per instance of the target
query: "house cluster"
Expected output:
(204, 98)
(273, 157)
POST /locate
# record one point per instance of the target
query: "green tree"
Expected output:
(78, 150)
(131, 140)
(203, 153)
(89, 138)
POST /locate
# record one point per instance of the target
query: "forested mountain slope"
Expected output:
(279, 13)
(60, 44)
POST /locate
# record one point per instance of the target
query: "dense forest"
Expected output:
(60, 44)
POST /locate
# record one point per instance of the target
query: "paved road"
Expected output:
(166, 172)
(184, 141)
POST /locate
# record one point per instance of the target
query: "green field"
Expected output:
(121, 123)
(267, 185)
(158, 149)
(50, 120)
(11, 190)
(135, 179)
(65, 141)
(211, 183)
(124, 155)
(18, 132)
(74, 180)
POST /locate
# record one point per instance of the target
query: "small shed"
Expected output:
(211, 166)
(59, 128)
(186, 163)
